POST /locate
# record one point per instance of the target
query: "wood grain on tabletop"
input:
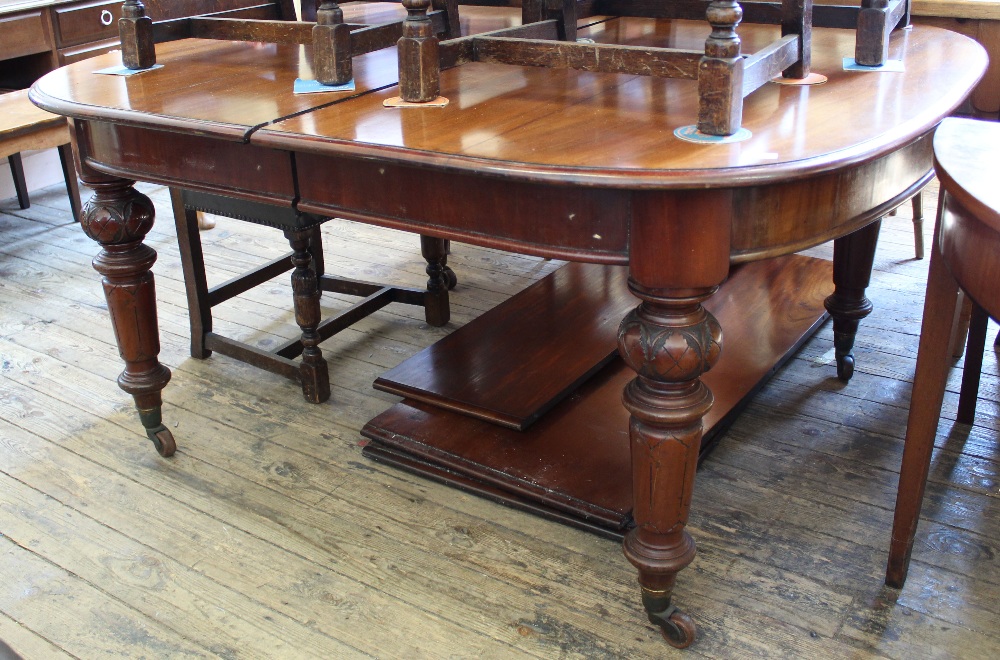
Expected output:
(222, 87)
(550, 117)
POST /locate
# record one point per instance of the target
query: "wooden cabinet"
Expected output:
(979, 19)
(24, 33)
(37, 36)
(85, 22)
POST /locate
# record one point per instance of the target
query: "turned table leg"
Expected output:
(118, 217)
(669, 343)
(437, 311)
(313, 370)
(670, 340)
(853, 256)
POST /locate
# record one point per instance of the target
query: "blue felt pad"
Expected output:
(123, 71)
(312, 87)
(692, 134)
(890, 66)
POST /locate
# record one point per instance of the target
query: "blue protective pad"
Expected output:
(692, 134)
(313, 86)
(121, 70)
(890, 66)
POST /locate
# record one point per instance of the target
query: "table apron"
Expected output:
(565, 222)
(775, 219)
(576, 223)
(188, 161)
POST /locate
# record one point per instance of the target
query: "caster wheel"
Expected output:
(451, 278)
(845, 367)
(679, 630)
(163, 440)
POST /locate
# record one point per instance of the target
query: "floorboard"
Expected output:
(268, 534)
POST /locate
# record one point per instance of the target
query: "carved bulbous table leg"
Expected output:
(437, 310)
(118, 217)
(853, 257)
(670, 343)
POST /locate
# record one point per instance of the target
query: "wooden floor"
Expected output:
(268, 534)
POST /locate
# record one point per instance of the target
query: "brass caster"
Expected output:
(678, 630)
(845, 367)
(163, 440)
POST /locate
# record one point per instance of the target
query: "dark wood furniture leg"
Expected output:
(973, 365)
(670, 340)
(195, 281)
(933, 361)
(313, 369)
(316, 250)
(298, 227)
(918, 224)
(118, 217)
(853, 257)
(69, 174)
(20, 185)
(437, 311)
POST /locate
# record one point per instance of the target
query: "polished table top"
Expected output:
(548, 127)
(598, 129)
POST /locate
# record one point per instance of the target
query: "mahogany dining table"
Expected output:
(558, 163)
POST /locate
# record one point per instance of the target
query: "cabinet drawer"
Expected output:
(86, 51)
(23, 34)
(86, 21)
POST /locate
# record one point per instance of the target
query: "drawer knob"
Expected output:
(107, 18)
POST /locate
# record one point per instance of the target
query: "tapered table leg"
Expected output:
(118, 217)
(853, 257)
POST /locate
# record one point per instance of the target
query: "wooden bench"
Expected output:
(24, 127)
(979, 19)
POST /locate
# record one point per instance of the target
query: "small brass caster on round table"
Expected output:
(163, 440)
